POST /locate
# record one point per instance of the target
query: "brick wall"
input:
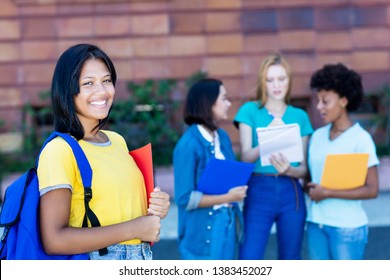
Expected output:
(174, 38)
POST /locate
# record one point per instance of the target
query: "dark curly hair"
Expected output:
(338, 78)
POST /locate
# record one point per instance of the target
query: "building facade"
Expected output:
(174, 38)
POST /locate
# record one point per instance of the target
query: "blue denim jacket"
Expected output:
(191, 154)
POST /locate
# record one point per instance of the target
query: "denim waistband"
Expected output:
(293, 180)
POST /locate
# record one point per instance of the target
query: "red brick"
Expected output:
(223, 4)
(258, 21)
(151, 46)
(39, 50)
(301, 63)
(295, 3)
(64, 44)
(371, 37)
(12, 118)
(333, 2)
(116, 25)
(38, 28)
(37, 10)
(225, 44)
(223, 21)
(232, 131)
(124, 69)
(234, 89)
(10, 97)
(150, 24)
(388, 14)
(185, 67)
(69, 9)
(370, 15)
(287, 3)
(187, 45)
(121, 91)
(9, 52)
(9, 29)
(297, 40)
(150, 69)
(295, 18)
(251, 64)
(261, 43)
(33, 95)
(300, 86)
(370, 60)
(38, 72)
(9, 74)
(8, 8)
(369, 2)
(117, 48)
(188, 5)
(224, 66)
(323, 59)
(258, 4)
(105, 8)
(75, 27)
(375, 80)
(187, 23)
(334, 17)
(334, 41)
(249, 88)
(142, 6)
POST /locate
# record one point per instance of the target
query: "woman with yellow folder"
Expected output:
(337, 223)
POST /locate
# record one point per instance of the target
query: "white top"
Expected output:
(338, 212)
(215, 141)
(217, 151)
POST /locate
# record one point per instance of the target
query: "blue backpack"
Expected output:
(19, 217)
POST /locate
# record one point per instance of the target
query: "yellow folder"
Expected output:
(344, 171)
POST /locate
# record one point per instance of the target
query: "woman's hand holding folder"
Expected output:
(237, 193)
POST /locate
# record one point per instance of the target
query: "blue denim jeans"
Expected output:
(140, 251)
(334, 243)
(272, 199)
(224, 235)
(223, 240)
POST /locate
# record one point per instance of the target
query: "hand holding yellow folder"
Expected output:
(344, 171)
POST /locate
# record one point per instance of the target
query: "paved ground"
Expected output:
(378, 248)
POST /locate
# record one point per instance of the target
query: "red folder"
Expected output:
(143, 158)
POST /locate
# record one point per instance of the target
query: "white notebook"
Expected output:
(285, 139)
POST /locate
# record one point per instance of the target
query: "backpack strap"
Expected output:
(86, 177)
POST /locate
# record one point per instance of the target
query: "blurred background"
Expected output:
(160, 47)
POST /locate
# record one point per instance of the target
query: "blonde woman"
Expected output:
(274, 192)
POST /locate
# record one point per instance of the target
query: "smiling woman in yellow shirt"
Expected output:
(83, 90)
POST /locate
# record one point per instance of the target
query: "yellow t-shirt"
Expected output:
(117, 183)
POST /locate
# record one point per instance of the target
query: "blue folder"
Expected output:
(220, 176)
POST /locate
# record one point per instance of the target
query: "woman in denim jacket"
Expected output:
(207, 223)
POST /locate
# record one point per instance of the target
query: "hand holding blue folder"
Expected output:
(220, 175)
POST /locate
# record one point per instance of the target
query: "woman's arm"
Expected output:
(248, 154)
(235, 194)
(58, 238)
(369, 190)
